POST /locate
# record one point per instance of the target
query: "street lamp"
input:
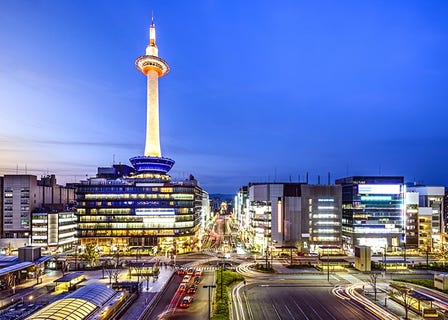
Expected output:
(209, 299)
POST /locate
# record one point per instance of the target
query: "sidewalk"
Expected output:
(384, 301)
(30, 292)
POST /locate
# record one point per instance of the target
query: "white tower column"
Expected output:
(152, 146)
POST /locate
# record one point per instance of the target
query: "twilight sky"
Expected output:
(258, 90)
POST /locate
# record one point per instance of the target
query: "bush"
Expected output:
(262, 268)
(222, 302)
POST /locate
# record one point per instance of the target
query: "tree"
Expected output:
(404, 294)
(113, 274)
(441, 253)
(373, 281)
(302, 246)
(91, 254)
(10, 279)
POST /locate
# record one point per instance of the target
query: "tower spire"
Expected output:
(153, 68)
(152, 36)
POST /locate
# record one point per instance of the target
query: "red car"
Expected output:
(186, 301)
(181, 272)
(192, 289)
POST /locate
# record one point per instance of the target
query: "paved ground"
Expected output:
(30, 292)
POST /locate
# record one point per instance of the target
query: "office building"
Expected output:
(22, 195)
(55, 231)
(283, 215)
(372, 212)
(430, 208)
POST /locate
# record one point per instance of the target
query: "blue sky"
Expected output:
(258, 90)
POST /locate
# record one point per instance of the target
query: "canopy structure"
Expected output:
(76, 306)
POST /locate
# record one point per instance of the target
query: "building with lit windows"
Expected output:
(139, 208)
(412, 223)
(53, 230)
(321, 210)
(430, 210)
(22, 195)
(292, 215)
(131, 213)
(372, 212)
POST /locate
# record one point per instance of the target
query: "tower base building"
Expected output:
(138, 215)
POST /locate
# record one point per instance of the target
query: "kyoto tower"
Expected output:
(152, 164)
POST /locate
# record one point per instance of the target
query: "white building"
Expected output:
(21, 196)
(430, 211)
(55, 231)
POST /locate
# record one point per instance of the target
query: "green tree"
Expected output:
(91, 254)
(441, 253)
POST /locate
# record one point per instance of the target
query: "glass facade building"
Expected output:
(136, 213)
(372, 212)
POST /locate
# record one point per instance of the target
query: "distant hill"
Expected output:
(221, 196)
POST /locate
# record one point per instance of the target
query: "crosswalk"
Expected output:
(202, 268)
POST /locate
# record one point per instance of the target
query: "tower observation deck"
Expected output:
(153, 67)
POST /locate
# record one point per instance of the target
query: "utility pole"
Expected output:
(222, 267)
(209, 299)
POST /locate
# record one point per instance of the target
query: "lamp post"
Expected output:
(209, 299)
(222, 267)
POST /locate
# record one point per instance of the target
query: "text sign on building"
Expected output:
(379, 189)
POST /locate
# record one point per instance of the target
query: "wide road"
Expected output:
(167, 307)
(307, 301)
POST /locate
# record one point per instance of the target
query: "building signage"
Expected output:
(379, 189)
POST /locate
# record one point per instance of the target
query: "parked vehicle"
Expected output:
(186, 301)
(192, 289)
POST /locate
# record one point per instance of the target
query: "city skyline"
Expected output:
(255, 93)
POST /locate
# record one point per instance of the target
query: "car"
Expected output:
(192, 289)
(197, 280)
(190, 271)
(181, 272)
(186, 301)
(186, 278)
(198, 273)
(182, 287)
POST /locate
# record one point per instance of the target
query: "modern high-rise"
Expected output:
(373, 212)
(139, 208)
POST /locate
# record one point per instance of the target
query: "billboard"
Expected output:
(379, 189)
